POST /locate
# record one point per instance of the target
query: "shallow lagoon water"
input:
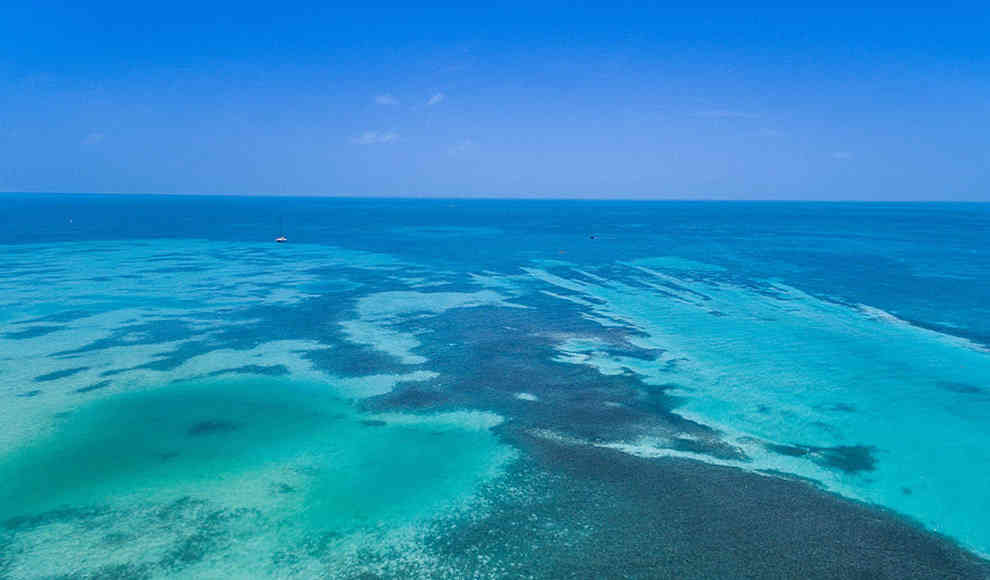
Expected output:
(402, 378)
(167, 443)
(304, 461)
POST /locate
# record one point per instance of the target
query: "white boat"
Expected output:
(281, 239)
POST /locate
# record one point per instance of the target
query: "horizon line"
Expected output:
(490, 197)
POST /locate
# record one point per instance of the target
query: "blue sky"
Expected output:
(629, 100)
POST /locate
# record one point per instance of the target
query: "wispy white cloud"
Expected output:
(375, 138)
(436, 99)
(841, 155)
(94, 138)
(725, 114)
(386, 99)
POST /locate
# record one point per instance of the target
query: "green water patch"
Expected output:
(292, 450)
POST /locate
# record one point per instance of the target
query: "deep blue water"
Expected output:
(895, 256)
(161, 355)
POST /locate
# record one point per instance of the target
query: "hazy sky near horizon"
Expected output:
(724, 100)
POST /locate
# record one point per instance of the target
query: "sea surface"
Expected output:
(492, 389)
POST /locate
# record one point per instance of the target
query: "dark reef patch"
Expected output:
(211, 427)
(116, 538)
(962, 388)
(27, 394)
(209, 534)
(839, 408)
(713, 447)
(597, 513)
(981, 338)
(414, 397)
(190, 550)
(495, 353)
(156, 332)
(353, 360)
(59, 374)
(33, 332)
(848, 458)
(373, 423)
(296, 322)
(176, 358)
(265, 370)
(60, 317)
(94, 387)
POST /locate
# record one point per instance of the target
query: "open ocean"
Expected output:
(480, 388)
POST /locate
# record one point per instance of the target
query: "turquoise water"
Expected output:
(169, 443)
(183, 397)
(907, 406)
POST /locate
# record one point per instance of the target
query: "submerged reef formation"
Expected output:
(202, 408)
